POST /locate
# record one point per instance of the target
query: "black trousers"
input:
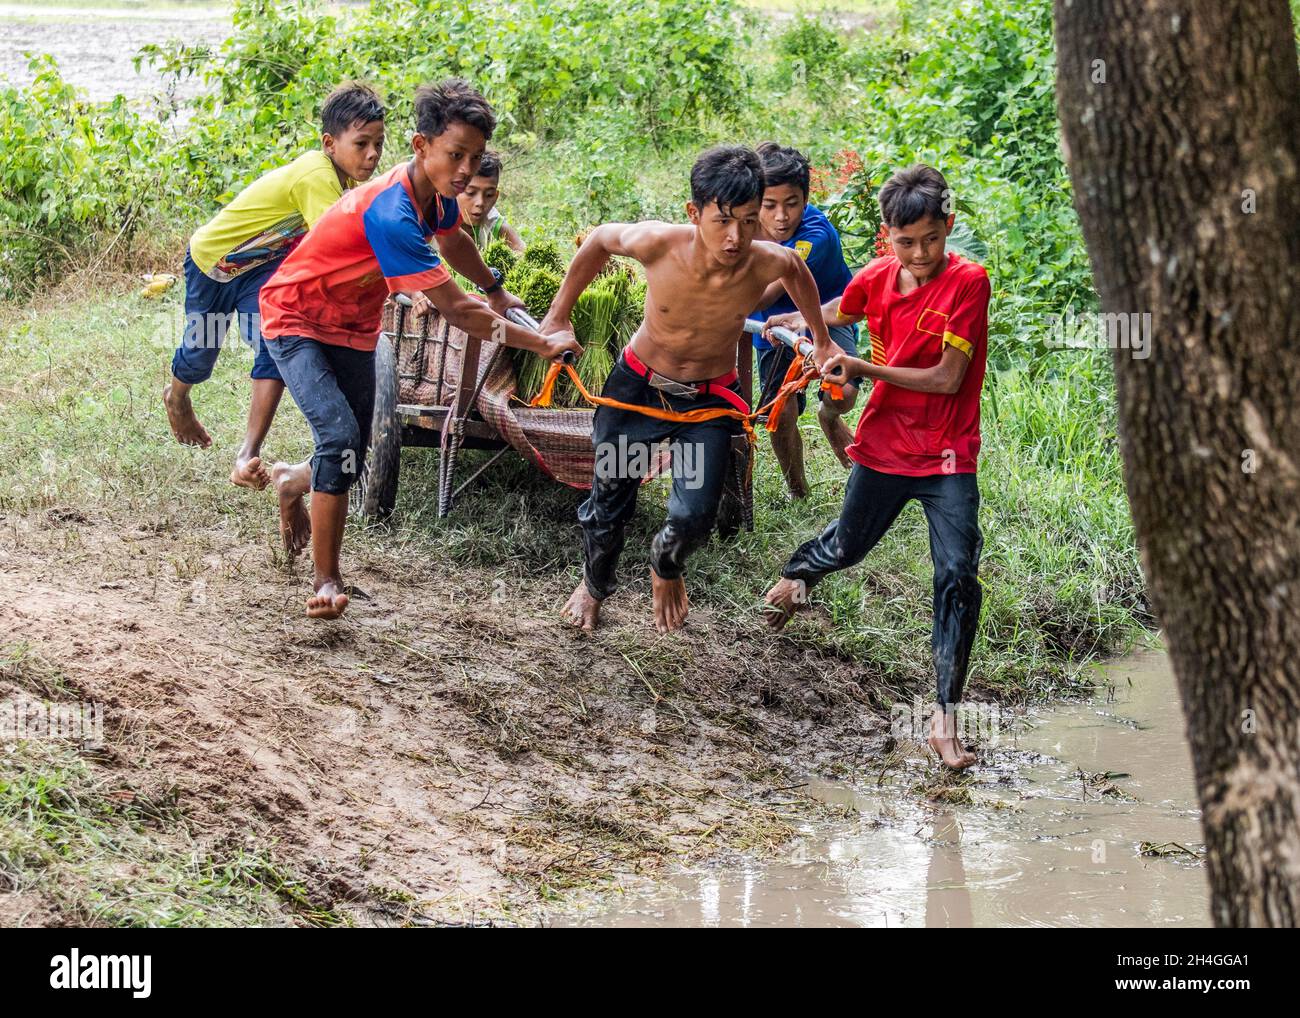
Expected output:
(626, 444)
(872, 501)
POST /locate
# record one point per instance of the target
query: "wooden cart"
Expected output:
(438, 387)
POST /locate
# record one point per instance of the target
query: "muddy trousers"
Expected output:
(872, 501)
(627, 446)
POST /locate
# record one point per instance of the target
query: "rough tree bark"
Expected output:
(1181, 123)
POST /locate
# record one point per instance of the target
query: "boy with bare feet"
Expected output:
(702, 279)
(787, 218)
(321, 311)
(232, 256)
(919, 435)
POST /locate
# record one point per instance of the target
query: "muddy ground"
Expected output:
(448, 752)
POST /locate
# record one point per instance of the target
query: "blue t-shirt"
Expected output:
(818, 242)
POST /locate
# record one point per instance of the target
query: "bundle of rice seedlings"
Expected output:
(605, 317)
(630, 314)
(500, 256)
(544, 254)
(535, 285)
(594, 318)
(530, 373)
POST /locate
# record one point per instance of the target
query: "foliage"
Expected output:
(70, 170)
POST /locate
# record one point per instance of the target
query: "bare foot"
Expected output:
(670, 603)
(292, 480)
(180, 415)
(784, 599)
(329, 601)
(582, 610)
(943, 740)
(250, 473)
(838, 434)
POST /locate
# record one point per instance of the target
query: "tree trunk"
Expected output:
(1181, 124)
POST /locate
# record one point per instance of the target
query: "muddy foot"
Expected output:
(291, 482)
(953, 754)
(670, 603)
(329, 601)
(839, 436)
(784, 599)
(250, 473)
(180, 416)
(582, 610)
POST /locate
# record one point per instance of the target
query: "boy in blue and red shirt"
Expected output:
(787, 218)
(919, 436)
(321, 311)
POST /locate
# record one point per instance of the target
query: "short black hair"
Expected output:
(439, 106)
(350, 103)
(730, 175)
(912, 194)
(783, 165)
(490, 166)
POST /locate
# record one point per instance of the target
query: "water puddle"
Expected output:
(1062, 815)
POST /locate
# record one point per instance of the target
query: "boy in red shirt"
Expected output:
(919, 435)
(321, 310)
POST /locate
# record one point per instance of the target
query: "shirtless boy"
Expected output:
(702, 280)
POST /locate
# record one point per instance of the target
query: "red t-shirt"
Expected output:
(371, 242)
(922, 433)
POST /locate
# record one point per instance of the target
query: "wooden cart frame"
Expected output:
(451, 421)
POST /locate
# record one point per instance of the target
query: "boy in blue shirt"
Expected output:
(786, 218)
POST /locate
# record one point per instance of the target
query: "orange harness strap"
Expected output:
(796, 379)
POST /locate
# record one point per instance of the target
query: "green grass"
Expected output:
(107, 856)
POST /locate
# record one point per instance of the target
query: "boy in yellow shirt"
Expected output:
(232, 255)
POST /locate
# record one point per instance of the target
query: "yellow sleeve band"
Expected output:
(952, 339)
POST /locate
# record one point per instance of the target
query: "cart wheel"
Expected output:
(375, 493)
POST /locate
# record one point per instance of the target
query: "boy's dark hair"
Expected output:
(490, 166)
(438, 106)
(730, 175)
(350, 103)
(912, 194)
(784, 165)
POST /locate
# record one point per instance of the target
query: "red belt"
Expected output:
(713, 387)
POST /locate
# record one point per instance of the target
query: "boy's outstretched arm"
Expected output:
(511, 236)
(794, 321)
(460, 252)
(632, 240)
(802, 288)
(944, 377)
(476, 318)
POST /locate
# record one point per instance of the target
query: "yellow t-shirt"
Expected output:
(266, 218)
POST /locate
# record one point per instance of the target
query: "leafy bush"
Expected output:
(974, 96)
(71, 171)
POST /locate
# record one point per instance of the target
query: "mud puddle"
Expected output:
(1062, 815)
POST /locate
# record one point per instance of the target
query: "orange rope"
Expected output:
(796, 379)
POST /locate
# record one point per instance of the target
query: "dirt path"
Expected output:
(448, 746)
